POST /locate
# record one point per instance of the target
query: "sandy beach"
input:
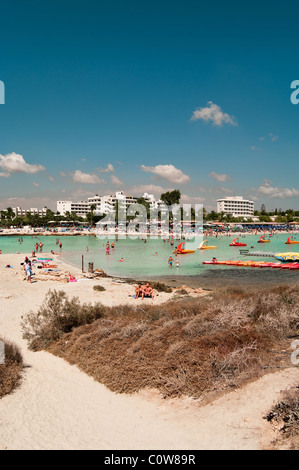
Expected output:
(59, 407)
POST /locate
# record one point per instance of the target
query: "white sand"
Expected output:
(59, 407)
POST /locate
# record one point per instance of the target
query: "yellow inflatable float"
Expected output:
(202, 246)
(291, 242)
(262, 240)
(181, 251)
(287, 256)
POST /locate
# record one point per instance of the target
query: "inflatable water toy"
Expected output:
(266, 265)
(292, 256)
(258, 264)
(294, 266)
(202, 246)
(234, 243)
(291, 242)
(287, 265)
(182, 251)
(262, 240)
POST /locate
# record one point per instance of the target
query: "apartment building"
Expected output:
(19, 212)
(80, 208)
(235, 206)
(106, 204)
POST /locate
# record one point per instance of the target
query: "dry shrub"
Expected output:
(188, 347)
(99, 288)
(286, 415)
(56, 316)
(10, 371)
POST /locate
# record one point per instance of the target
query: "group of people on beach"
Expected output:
(144, 291)
(109, 248)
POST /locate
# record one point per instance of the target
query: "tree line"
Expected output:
(170, 198)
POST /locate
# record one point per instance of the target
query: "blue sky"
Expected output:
(149, 96)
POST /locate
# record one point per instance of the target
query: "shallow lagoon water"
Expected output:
(141, 262)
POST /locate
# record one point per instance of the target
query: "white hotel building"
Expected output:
(235, 206)
(19, 212)
(105, 204)
(80, 208)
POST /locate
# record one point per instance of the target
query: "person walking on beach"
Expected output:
(28, 269)
(170, 261)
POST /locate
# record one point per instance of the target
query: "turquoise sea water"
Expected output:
(140, 259)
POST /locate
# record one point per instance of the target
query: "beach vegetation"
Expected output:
(58, 315)
(99, 288)
(284, 415)
(11, 368)
(191, 346)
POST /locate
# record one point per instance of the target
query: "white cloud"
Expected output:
(219, 176)
(79, 194)
(168, 172)
(36, 185)
(26, 203)
(267, 189)
(148, 188)
(110, 168)
(86, 178)
(15, 163)
(214, 114)
(51, 178)
(273, 137)
(115, 180)
(226, 190)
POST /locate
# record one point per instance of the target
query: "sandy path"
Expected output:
(59, 407)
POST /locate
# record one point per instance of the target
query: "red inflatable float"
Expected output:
(234, 243)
